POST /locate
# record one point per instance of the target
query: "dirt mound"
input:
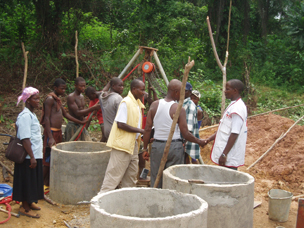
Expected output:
(283, 165)
(285, 161)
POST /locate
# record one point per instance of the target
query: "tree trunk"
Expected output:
(263, 6)
(220, 10)
(246, 23)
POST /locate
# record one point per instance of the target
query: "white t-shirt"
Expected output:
(237, 123)
(122, 115)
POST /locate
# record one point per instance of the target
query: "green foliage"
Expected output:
(271, 99)
(294, 23)
(94, 126)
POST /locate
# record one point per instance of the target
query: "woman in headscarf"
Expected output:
(28, 176)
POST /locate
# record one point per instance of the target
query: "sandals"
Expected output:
(29, 213)
(35, 207)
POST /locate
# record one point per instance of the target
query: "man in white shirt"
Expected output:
(230, 139)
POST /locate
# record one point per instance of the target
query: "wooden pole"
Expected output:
(188, 67)
(76, 55)
(79, 129)
(260, 114)
(130, 63)
(279, 139)
(276, 110)
(8, 169)
(25, 69)
(160, 67)
(222, 67)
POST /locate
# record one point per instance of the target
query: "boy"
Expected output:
(93, 95)
(230, 139)
(75, 102)
(51, 120)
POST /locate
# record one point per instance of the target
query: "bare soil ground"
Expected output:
(282, 168)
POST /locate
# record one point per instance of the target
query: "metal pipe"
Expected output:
(162, 72)
(130, 63)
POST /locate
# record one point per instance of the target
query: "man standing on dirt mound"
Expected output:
(230, 139)
(124, 140)
(76, 103)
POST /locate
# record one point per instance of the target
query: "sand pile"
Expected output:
(283, 166)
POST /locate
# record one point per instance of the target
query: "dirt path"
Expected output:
(282, 168)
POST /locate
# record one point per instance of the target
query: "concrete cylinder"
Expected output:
(77, 170)
(149, 208)
(229, 193)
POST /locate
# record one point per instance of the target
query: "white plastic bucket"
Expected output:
(279, 204)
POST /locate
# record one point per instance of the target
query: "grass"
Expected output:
(270, 99)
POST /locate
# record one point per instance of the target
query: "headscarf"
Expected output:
(27, 93)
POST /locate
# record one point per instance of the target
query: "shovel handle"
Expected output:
(12, 213)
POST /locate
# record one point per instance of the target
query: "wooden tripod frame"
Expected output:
(148, 53)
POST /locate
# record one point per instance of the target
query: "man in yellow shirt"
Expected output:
(124, 140)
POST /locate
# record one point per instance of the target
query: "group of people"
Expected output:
(121, 120)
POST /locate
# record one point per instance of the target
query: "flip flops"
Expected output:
(29, 213)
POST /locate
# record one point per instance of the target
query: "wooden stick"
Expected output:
(76, 56)
(188, 67)
(222, 67)
(228, 33)
(67, 224)
(279, 139)
(8, 169)
(129, 64)
(276, 110)
(47, 199)
(299, 196)
(213, 126)
(5, 174)
(12, 213)
(260, 114)
(79, 129)
(25, 69)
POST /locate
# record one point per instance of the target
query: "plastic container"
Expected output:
(5, 190)
(279, 204)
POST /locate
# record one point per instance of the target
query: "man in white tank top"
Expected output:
(230, 139)
(161, 115)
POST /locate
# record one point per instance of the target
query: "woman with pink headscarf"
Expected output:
(28, 176)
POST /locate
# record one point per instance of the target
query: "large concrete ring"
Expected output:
(77, 170)
(149, 208)
(229, 193)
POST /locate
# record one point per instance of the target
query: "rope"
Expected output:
(6, 201)
(154, 82)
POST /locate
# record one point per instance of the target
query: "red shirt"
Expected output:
(99, 113)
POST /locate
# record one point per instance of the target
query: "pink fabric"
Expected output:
(27, 93)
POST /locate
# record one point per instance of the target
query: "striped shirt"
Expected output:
(192, 149)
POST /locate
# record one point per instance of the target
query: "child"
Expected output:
(93, 95)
